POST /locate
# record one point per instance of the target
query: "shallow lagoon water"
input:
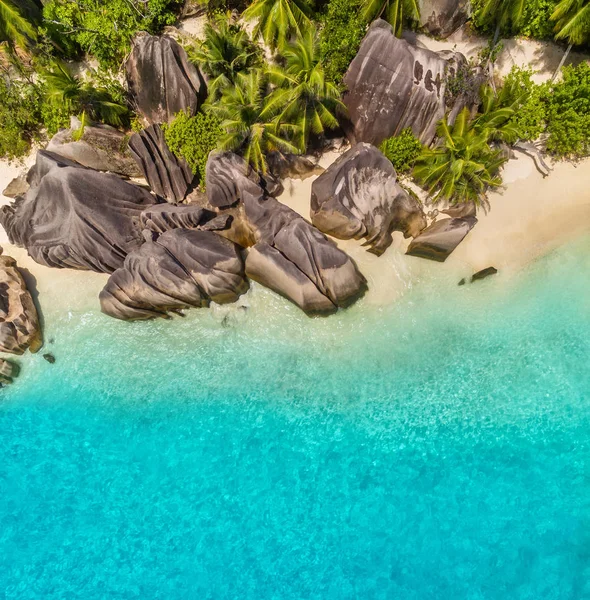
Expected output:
(436, 448)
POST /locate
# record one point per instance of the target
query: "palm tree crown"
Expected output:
(572, 21)
(248, 112)
(278, 20)
(396, 12)
(502, 13)
(463, 166)
(16, 27)
(304, 95)
(226, 51)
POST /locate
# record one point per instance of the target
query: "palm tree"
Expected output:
(278, 20)
(572, 23)
(248, 112)
(304, 95)
(17, 26)
(496, 114)
(463, 166)
(396, 12)
(80, 96)
(502, 13)
(226, 51)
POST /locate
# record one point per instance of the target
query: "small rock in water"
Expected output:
(462, 282)
(49, 358)
(484, 273)
(8, 371)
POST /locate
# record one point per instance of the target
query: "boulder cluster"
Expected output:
(167, 247)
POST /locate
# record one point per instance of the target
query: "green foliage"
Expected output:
(104, 29)
(248, 112)
(303, 95)
(463, 166)
(100, 98)
(572, 21)
(278, 20)
(193, 138)
(17, 22)
(402, 150)
(341, 36)
(19, 118)
(226, 51)
(568, 113)
(528, 101)
(397, 13)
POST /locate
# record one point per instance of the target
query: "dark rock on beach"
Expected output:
(440, 18)
(393, 85)
(100, 147)
(358, 196)
(487, 272)
(19, 322)
(17, 187)
(161, 80)
(168, 176)
(181, 269)
(73, 217)
(439, 240)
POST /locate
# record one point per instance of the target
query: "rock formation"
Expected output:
(287, 254)
(440, 18)
(17, 187)
(358, 196)
(167, 175)
(8, 371)
(439, 240)
(76, 217)
(100, 147)
(19, 323)
(293, 166)
(164, 217)
(182, 268)
(161, 80)
(393, 85)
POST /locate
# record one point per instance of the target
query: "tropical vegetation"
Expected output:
(402, 150)
(397, 12)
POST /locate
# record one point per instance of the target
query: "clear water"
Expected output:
(436, 448)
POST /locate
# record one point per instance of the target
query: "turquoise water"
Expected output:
(437, 448)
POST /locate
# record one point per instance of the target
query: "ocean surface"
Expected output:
(437, 448)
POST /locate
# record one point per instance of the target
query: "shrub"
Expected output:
(402, 150)
(104, 29)
(341, 36)
(529, 100)
(19, 117)
(568, 113)
(193, 138)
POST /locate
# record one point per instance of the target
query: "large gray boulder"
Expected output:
(181, 269)
(439, 240)
(161, 80)
(164, 217)
(19, 322)
(287, 254)
(73, 217)
(358, 196)
(393, 85)
(168, 176)
(440, 18)
(100, 147)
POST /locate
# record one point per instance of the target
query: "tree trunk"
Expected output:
(564, 58)
(490, 64)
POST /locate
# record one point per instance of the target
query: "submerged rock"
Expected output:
(487, 272)
(168, 176)
(161, 80)
(73, 217)
(393, 85)
(439, 240)
(19, 322)
(181, 269)
(358, 196)
(287, 253)
(440, 18)
(49, 358)
(100, 147)
(8, 371)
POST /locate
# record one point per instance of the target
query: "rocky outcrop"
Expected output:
(164, 217)
(17, 187)
(161, 80)
(440, 18)
(168, 176)
(439, 240)
(283, 166)
(100, 147)
(19, 323)
(181, 269)
(393, 85)
(73, 217)
(358, 196)
(287, 254)
(484, 273)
